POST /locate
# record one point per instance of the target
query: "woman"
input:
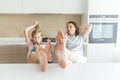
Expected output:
(69, 48)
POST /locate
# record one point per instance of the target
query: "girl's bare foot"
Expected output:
(48, 51)
(42, 59)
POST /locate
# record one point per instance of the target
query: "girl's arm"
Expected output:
(85, 30)
(28, 29)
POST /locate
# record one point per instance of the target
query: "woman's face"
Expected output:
(37, 38)
(71, 29)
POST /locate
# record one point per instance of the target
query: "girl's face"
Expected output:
(71, 29)
(37, 38)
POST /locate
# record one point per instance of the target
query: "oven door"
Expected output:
(103, 33)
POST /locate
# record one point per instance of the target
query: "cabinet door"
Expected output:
(41, 6)
(30, 6)
(53, 6)
(10, 6)
(103, 7)
(73, 6)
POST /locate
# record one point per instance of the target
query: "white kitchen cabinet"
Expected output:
(10, 6)
(73, 6)
(53, 6)
(30, 6)
(103, 7)
(42, 6)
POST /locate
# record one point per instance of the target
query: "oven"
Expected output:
(104, 28)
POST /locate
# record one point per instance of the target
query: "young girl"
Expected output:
(37, 53)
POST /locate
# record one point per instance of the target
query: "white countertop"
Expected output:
(15, 41)
(12, 41)
(90, 71)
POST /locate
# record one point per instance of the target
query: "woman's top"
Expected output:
(75, 43)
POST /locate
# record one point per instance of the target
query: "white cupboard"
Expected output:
(103, 7)
(42, 6)
(10, 6)
(73, 6)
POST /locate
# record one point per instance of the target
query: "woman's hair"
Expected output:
(36, 30)
(75, 25)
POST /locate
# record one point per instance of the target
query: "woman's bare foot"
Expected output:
(60, 50)
(48, 51)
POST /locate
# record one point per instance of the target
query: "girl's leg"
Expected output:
(42, 59)
(33, 58)
(48, 51)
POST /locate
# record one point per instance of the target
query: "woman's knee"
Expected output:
(63, 64)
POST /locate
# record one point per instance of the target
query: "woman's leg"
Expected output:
(70, 56)
(60, 58)
(59, 50)
(76, 57)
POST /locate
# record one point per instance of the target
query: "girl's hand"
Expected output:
(36, 22)
(36, 25)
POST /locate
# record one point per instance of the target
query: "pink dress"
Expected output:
(30, 46)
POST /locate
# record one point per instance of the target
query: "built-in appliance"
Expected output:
(104, 28)
(51, 39)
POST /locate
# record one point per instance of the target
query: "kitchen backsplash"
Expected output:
(13, 25)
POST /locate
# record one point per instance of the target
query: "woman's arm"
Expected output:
(85, 30)
(28, 29)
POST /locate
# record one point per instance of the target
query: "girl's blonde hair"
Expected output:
(36, 30)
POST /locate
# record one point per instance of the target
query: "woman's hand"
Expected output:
(85, 30)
